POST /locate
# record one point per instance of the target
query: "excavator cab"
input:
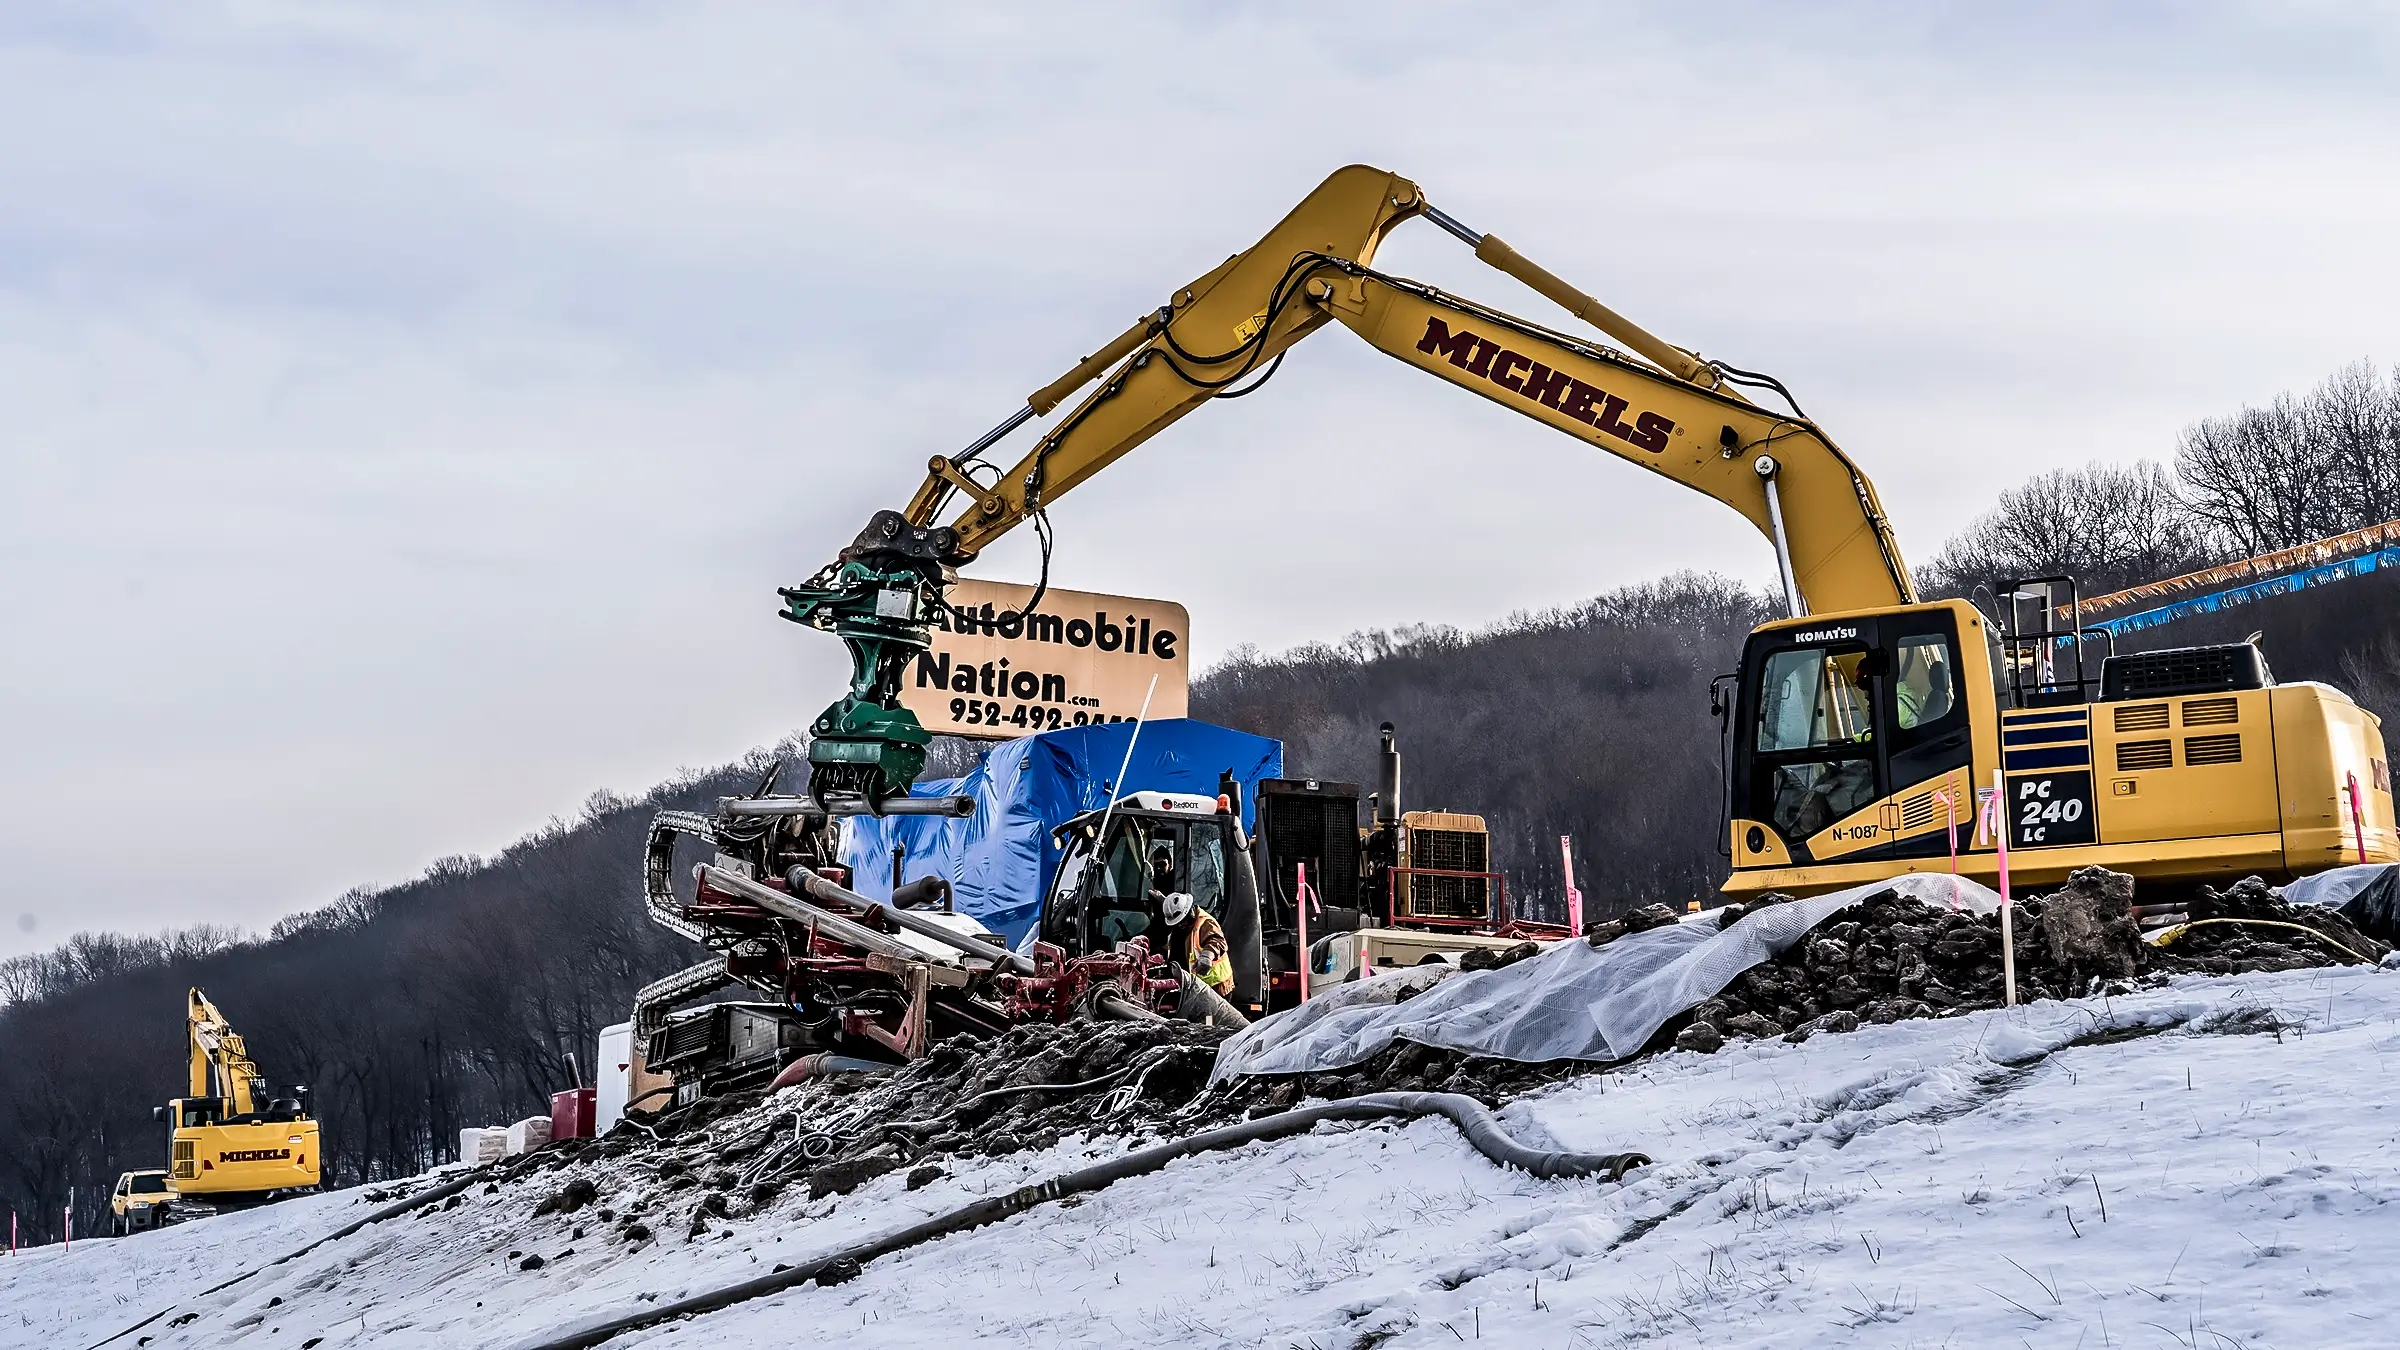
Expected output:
(1846, 727)
(1865, 744)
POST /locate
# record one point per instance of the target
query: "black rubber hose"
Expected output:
(1465, 1112)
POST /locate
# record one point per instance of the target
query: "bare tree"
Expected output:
(2301, 468)
(2108, 526)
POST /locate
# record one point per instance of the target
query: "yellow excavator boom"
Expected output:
(1655, 404)
(1855, 719)
(221, 1064)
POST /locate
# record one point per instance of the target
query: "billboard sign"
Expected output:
(995, 673)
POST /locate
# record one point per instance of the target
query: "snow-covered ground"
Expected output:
(2205, 1165)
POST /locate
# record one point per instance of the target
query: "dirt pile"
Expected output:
(1889, 957)
(2248, 926)
(721, 1158)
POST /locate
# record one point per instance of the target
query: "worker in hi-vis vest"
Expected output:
(1195, 937)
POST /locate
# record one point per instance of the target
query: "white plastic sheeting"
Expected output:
(1574, 1001)
(2367, 894)
(2334, 889)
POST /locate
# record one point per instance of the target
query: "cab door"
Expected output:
(1848, 731)
(1807, 756)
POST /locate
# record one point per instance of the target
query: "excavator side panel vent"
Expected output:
(2142, 717)
(1918, 811)
(2213, 749)
(2211, 712)
(186, 1168)
(2133, 755)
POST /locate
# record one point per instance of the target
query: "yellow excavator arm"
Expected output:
(1660, 406)
(221, 1065)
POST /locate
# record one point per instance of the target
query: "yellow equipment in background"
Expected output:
(233, 1143)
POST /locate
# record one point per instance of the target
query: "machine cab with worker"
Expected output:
(1159, 846)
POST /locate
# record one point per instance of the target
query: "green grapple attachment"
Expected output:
(879, 597)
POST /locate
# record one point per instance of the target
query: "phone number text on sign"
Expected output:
(1024, 718)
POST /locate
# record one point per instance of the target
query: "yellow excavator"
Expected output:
(233, 1142)
(1865, 731)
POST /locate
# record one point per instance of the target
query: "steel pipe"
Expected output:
(1000, 957)
(960, 806)
(770, 806)
(825, 921)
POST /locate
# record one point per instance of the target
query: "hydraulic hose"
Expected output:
(2166, 935)
(1469, 1115)
(1115, 1007)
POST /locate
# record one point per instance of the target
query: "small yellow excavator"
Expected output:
(1864, 730)
(234, 1143)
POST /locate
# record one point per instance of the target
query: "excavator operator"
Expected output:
(1924, 691)
(1194, 937)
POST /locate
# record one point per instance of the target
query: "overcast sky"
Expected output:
(408, 413)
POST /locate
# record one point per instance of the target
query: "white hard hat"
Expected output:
(1177, 908)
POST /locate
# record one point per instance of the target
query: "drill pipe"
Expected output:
(846, 806)
(801, 879)
(826, 921)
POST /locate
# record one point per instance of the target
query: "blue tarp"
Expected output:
(999, 860)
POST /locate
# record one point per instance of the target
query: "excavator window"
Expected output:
(1204, 867)
(1816, 720)
(1813, 698)
(1923, 685)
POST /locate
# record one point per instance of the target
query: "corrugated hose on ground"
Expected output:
(1469, 1115)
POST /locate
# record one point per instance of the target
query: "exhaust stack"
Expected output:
(1387, 792)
